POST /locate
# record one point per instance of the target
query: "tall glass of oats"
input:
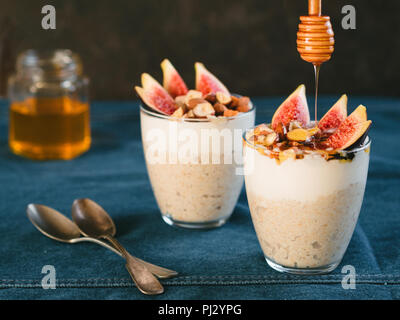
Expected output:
(195, 166)
(305, 208)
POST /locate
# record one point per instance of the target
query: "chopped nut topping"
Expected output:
(284, 144)
(193, 94)
(262, 129)
(313, 131)
(220, 104)
(211, 97)
(243, 104)
(190, 114)
(298, 135)
(230, 113)
(234, 103)
(202, 110)
(271, 138)
(287, 154)
(294, 125)
(180, 101)
(178, 113)
(220, 109)
(194, 102)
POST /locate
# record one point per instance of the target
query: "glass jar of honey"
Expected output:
(49, 106)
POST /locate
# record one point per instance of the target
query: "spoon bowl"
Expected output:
(52, 223)
(92, 219)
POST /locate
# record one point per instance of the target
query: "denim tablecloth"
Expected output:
(225, 263)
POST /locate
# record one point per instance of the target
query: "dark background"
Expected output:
(249, 44)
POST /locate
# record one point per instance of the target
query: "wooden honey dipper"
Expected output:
(315, 38)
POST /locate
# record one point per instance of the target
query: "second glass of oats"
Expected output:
(193, 147)
(305, 183)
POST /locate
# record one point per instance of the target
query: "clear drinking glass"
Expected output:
(195, 166)
(305, 210)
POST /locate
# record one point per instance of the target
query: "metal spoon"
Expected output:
(94, 221)
(56, 226)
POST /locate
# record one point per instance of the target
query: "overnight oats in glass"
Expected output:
(192, 142)
(305, 184)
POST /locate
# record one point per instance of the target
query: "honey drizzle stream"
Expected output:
(316, 74)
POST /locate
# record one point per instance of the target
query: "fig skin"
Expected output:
(351, 130)
(360, 142)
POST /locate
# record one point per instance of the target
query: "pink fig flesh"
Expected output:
(173, 82)
(206, 82)
(155, 96)
(294, 108)
(335, 116)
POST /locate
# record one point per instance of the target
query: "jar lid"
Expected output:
(51, 63)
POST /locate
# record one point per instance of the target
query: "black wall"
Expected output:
(249, 44)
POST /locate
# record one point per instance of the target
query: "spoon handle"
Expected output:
(145, 281)
(159, 272)
(102, 243)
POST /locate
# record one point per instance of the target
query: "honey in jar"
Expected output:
(49, 108)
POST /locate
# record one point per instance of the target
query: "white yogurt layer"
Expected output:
(302, 179)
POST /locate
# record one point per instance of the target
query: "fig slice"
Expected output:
(351, 130)
(294, 108)
(155, 96)
(335, 116)
(206, 82)
(173, 82)
(359, 114)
